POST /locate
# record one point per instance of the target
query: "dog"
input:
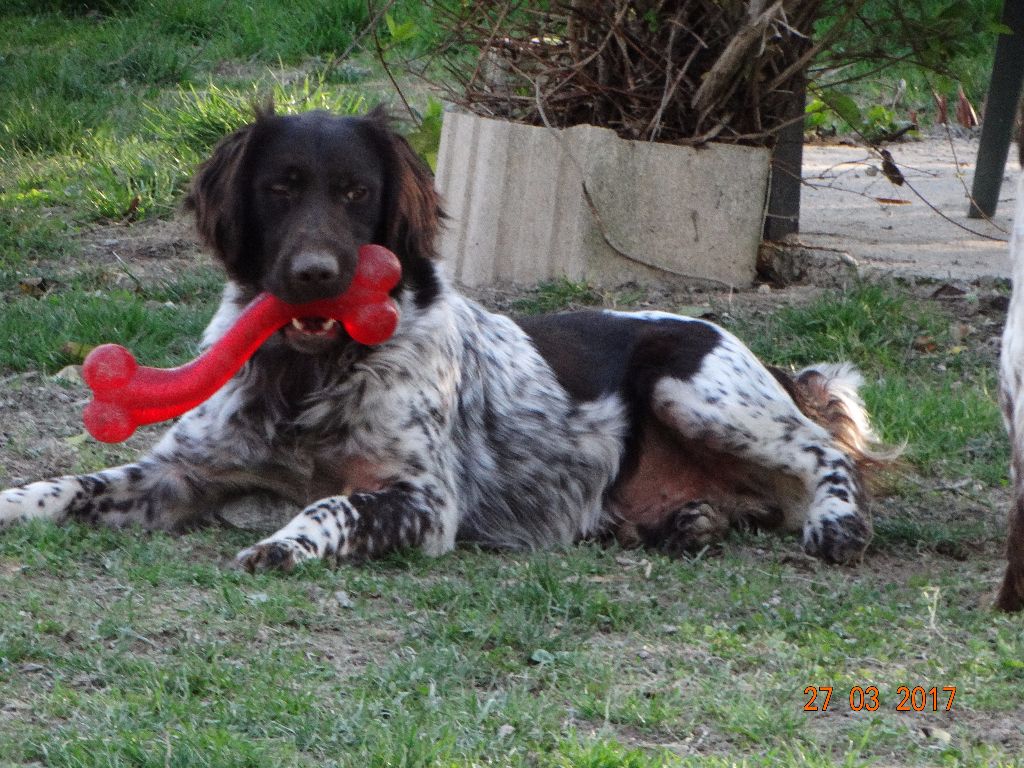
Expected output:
(1011, 399)
(651, 429)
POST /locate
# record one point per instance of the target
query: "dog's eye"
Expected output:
(355, 194)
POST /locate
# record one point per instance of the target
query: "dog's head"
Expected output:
(286, 202)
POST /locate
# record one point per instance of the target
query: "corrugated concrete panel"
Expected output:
(519, 215)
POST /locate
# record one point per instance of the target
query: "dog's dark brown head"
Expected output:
(286, 202)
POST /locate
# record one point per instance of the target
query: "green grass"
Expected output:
(922, 388)
(107, 113)
(589, 657)
(555, 296)
(161, 324)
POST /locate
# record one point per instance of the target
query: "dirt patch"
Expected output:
(42, 435)
(160, 249)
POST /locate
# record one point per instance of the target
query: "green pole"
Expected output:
(1000, 111)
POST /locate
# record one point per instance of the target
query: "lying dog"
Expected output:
(465, 425)
(1011, 397)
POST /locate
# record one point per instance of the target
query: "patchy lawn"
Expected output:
(123, 648)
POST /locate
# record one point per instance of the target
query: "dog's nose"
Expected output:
(315, 275)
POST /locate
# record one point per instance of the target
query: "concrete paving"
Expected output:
(849, 206)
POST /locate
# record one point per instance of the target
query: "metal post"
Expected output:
(783, 215)
(1000, 110)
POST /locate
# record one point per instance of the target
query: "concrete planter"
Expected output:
(519, 214)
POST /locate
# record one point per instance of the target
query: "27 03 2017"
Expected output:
(869, 699)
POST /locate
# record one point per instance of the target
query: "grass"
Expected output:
(60, 328)
(588, 657)
(923, 387)
(127, 649)
(107, 113)
(555, 296)
(123, 648)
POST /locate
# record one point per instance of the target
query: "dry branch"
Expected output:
(681, 71)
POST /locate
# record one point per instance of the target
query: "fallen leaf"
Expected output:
(133, 208)
(960, 331)
(937, 734)
(925, 344)
(965, 114)
(76, 350)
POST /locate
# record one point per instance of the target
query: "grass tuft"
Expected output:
(197, 119)
(161, 326)
(922, 388)
(556, 296)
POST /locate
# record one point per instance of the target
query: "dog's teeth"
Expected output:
(297, 324)
(329, 324)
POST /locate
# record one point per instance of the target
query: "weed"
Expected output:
(557, 295)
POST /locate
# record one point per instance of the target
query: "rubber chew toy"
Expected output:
(127, 395)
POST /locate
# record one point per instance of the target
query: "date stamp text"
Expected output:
(868, 698)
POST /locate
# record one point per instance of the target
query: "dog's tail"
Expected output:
(829, 394)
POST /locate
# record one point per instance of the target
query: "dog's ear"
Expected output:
(218, 198)
(414, 211)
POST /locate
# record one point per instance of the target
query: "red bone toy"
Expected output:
(126, 395)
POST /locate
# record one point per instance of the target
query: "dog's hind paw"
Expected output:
(686, 530)
(839, 540)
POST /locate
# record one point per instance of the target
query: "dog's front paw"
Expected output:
(273, 555)
(840, 540)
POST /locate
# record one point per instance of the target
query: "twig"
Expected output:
(387, 69)
(631, 66)
(358, 39)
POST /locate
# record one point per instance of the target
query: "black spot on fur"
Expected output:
(396, 518)
(596, 353)
(832, 477)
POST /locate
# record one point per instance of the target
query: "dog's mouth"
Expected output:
(313, 326)
(311, 334)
